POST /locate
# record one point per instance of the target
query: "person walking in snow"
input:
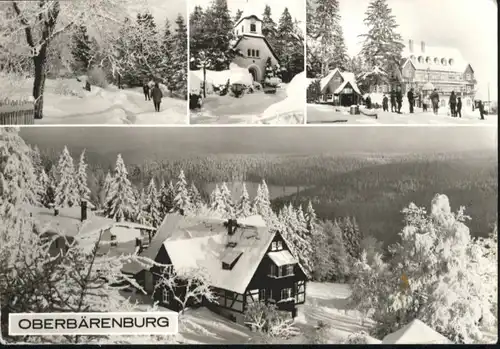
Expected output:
(459, 107)
(368, 102)
(385, 103)
(453, 104)
(157, 95)
(435, 101)
(145, 89)
(399, 100)
(411, 100)
(151, 85)
(393, 100)
(481, 109)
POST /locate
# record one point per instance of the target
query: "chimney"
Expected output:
(422, 46)
(410, 45)
(83, 206)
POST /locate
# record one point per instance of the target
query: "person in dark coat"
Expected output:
(411, 100)
(453, 104)
(481, 109)
(399, 100)
(435, 101)
(393, 100)
(157, 95)
(385, 103)
(145, 89)
(459, 107)
(368, 102)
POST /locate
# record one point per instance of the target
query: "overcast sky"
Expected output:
(162, 9)
(295, 7)
(468, 25)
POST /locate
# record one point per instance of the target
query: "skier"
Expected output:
(145, 89)
(459, 107)
(385, 103)
(393, 100)
(411, 100)
(157, 95)
(399, 100)
(435, 101)
(453, 104)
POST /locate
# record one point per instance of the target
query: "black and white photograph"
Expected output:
(93, 62)
(402, 62)
(247, 61)
(271, 235)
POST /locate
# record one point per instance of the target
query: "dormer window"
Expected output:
(253, 28)
(279, 245)
(274, 246)
(230, 258)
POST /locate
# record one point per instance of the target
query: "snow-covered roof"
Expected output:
(347, 77)
(248, 11)
(436, 58)
(68, 222)
(416, 332)
(208, 252)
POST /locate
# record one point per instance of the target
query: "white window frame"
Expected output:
(165, 296)
(273, 246)
(286, 293)
(279, 245)
(254, 26)
(262, 294)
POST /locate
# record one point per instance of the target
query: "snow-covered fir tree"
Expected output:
(269, 27)
(244, 206)
(17, 175)
(106, 185)
(141, 216)
(179, 67)
(352, 236)
(44, 188)
(81, 49)
(261, 204)
(81, 178)
(227, 200)
(120, 201)
(66, 194)
(382, 45)
(166, 198)
(182, 202)
(195, 197)
(151, 205)
(217, 201)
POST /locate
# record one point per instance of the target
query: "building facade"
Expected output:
(253, 45)
(424, 68)
(340, 88)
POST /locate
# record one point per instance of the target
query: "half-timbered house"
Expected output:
(340, 88)
(245, 263)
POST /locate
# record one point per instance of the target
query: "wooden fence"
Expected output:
(16, 113)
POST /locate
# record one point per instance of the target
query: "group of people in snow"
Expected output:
(396, 99)
(153, 92)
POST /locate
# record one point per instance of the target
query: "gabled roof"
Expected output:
(347, 77)
(209, 251)
(416, 332)
(259, 37)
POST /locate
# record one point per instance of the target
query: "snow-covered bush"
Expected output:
(438, 274)
(237, 90)
(267, 320)
(62, 88)
(97, 77)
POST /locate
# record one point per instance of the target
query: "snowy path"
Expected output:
(321, 113)
(230, 110)
(102, 105)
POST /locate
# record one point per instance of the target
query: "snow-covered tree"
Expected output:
(244, 206)
(166, 198)
(81, 49)
(66, 194)
(382, 45)
(120, 201)
(106, 185)
(436, 275)
(182, 202)
(217, 201)
(43, 185)
(261, 203)
(227, 200)
(179, 66)
(17, 175)
(81, 178)
(151, 205)
(351, 236)
(141, 216)
(195, 197)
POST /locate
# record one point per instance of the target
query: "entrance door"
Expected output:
(254, 73)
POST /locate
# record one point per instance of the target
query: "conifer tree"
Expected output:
(237, 16)
(269, 27)
(182, 201)
(179, 67)
(227, 199)
(141, 216)
(105, 188)
(43, 188)
(310, 216)
(120, 201)
(152, 205)
(217, 201)
(289, 47)
(244, 207)
(167, 46)
(66, 193)
(81, 49)
(166, 198)
(195, 197)
(261, 204)
(81, 179)
(382, 46)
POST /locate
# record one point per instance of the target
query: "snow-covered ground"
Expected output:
(322, 113)
(66, 102)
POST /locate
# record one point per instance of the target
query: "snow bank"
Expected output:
(235, 75)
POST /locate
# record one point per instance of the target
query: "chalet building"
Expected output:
(245, 262)
(62, 225)
(424, 68)
(340, 88)
(252, 44)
